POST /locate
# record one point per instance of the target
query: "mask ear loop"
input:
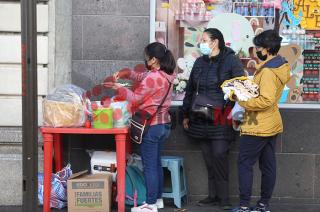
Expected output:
(152, 63)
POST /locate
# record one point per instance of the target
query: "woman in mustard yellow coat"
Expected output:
(262, 122)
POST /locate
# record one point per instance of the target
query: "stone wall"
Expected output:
(110, 34)
(298, 154)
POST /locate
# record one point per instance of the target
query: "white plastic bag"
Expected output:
(102, 162)
(237, 116)
(237, 112)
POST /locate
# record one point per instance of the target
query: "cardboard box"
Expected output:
(89, 192)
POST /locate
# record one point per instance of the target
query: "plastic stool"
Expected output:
(178, 178)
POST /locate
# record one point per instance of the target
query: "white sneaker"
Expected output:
(145, 208)
(159, 203)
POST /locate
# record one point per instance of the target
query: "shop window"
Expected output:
(179, 24)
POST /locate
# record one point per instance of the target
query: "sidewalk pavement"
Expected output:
(192, 207)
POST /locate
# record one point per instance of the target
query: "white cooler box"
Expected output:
(103, 162)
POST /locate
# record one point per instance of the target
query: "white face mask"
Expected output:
(205, 49)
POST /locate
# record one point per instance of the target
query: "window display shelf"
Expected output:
(254, 9)
(188, 18)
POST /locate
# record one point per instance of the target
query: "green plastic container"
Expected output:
(102, 118)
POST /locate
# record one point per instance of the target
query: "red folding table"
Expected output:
(52, 140)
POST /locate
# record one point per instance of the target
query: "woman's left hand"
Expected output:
(112, 85)
(116, 76)
(234, 97)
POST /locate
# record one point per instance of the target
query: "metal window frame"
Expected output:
(29, 105)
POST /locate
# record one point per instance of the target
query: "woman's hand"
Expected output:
(112, 85)
(234, 97)
(122, 74)
(185, 123)
(116, 76)
(236, 125)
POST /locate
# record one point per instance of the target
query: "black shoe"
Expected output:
(208, 201)
(260, 207)
(225, 205)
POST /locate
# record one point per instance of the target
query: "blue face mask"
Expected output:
(205, 49)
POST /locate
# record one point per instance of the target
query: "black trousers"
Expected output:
(215, 154)
(252, 149)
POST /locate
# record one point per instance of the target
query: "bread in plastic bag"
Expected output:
(66, 106)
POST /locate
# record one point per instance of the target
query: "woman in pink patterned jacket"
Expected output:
(153, 85)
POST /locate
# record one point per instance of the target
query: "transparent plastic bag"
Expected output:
(121, 113)
(66, 106)
(135, 160)
(237, 113)
(237, 116)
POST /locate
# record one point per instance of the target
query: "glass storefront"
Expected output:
(179, 24)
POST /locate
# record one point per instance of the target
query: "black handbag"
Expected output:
(202, 106)
(140, 121)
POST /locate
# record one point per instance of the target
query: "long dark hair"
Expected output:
(164, 55)
(214, 33)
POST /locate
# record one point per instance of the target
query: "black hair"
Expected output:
(270, 40)
(164, 55)
(214, 33)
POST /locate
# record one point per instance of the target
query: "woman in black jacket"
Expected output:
(217, 64)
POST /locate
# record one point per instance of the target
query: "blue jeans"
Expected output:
(151, 147)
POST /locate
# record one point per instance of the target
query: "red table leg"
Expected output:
(47, 166)
(58, 152)
(121, 167)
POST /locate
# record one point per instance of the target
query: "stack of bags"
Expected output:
(244, 89)
(58, 195)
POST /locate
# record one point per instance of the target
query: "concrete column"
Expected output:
(60, 40)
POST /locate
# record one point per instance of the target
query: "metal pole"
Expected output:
(152, 22)
(29, 105)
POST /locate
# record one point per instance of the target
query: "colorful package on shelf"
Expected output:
(193, 12)
(242, 87)
(264, 8)
(121, 112)
(102, 118)
(311, 75)
(66, 106)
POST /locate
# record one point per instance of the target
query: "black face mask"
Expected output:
(261, 57)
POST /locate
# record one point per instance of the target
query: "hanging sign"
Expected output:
(310, 13)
